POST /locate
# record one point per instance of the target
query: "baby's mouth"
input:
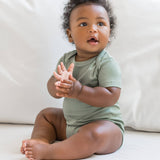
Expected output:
(93, 41)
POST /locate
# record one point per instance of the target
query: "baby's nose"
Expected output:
(93, 29)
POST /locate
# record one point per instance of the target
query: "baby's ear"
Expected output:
(70, 39)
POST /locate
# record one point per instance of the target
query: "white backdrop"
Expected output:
(31, 42)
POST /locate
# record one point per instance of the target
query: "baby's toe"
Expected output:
(29, 154)
(22, 150)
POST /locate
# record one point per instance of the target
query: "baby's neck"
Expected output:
(84, 57)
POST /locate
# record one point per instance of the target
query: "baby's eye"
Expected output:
(100, 24)
(83, 24)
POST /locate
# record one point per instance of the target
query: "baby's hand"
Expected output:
(63, 73)
(68, 88)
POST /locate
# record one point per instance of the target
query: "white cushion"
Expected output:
(30, 45)
(32, 41)
(137, 48)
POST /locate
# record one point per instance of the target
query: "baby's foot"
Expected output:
(22, 148)
(35, 149)
(24, 144)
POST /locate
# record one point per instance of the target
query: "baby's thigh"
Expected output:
(71, 130)
(106, 135)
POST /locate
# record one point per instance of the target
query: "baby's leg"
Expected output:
(100, 137)
(50, 125)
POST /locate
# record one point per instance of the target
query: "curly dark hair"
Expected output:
(74, 3)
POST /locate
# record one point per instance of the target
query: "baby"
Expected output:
(89, 79)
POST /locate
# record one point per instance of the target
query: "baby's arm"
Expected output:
(97, 96)
(52, 88)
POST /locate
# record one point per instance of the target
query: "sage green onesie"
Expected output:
(102, 71)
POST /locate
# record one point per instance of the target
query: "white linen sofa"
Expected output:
(31, 42)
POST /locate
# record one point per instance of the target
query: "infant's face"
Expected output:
(89, 28)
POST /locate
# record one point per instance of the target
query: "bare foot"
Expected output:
(36, 149)
(24, 144)
(22, 148)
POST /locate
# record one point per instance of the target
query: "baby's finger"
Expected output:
(63, 85)
(71, 67)
(57, 83)
(62, 90)
(59, 70)
(57, 76)
(62, 95)
(72, 78)
(66, 81)
(63, 67)
(59, 95)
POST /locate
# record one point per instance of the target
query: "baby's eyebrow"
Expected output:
(101, 18)
(81, 18)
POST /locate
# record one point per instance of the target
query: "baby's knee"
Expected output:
(92, 135)
(95, 133)
(47, 113)
(44, 111)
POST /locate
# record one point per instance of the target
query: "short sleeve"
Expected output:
(109, 74)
